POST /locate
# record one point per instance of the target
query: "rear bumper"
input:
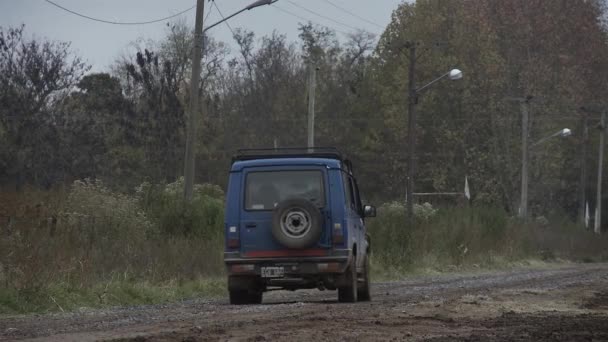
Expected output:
(336, 255)
(335, 263)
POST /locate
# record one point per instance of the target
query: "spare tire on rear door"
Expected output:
(296, 223)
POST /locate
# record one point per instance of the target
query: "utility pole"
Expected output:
(598, 206)
(312, 83)
(411, 131)
(193, 107)
(525, 133)
(583, 180)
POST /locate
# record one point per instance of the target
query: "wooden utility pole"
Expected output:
(411, 132)
(598, 205)
(525, 153)
(193, 107)
(583, 179)
(312, 84)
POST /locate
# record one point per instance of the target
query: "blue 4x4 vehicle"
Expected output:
(294, 220)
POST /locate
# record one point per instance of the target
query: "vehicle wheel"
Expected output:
(348, 293)
(239, 297)
(255, 298)
(296, 223)
(363, 293)
(244, 297)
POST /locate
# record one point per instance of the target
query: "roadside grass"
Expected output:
(66, 297)
(380, 273)
(91, 247)
(471, 239)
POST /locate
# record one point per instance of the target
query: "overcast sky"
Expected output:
(101, 43)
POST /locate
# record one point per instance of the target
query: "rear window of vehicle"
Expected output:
(265, 190)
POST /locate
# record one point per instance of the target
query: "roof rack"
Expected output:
(292, 152)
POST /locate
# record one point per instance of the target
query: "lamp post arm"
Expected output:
(545, 139)
(419, 90)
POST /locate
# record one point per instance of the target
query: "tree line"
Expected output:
(58, 122)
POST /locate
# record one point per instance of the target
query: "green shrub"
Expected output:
(424, 211)
(203, 216)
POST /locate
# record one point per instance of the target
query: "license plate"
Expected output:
(272, 272)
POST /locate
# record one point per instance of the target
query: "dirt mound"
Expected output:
(599, 301)
(534, 327)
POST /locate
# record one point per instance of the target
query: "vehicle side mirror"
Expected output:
(369, 211)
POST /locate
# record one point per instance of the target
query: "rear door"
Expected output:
(263, 188)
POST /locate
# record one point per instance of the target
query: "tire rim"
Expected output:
(296, 223)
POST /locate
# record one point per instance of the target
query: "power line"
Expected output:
(208, 14)
(323, 16)
(353, 14)
(306, 20)
(290, 13)
(222, 15)
(119, 22)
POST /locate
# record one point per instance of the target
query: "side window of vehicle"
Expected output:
(357, 198)
(348, 191)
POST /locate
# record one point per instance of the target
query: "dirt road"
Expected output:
(568, 303)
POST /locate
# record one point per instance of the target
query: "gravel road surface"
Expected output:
(562, 303)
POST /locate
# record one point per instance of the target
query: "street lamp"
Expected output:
(453, 74)
(566, 132)
(194, 91)
(523, 209)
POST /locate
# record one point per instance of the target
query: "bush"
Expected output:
(99, 214)
(424, 211)
(202, 217)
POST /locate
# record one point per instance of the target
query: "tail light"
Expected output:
(234, 243)
(337, 234)
(233, 240)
